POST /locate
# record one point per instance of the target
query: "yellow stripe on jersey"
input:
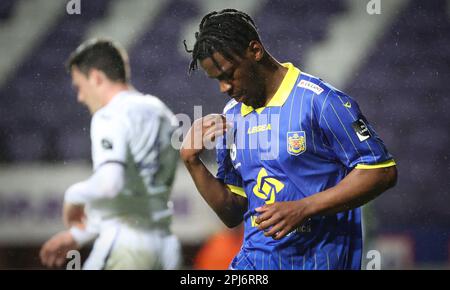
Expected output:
(281, 94)
(237, 190)
(384, 164)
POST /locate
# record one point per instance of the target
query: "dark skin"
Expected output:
(228, 206)
(253, 79)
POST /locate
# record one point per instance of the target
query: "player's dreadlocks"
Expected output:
(227, 32)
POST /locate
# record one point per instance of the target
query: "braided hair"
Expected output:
(228, 32)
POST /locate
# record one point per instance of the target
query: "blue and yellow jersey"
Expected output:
(306, 140)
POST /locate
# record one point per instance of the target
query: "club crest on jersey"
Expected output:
(296, 142)
(107, 144)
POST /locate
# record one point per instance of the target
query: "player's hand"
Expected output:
(53, 252)
(203, 132)
(280, 218)
(73, 215)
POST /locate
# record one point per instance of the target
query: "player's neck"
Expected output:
(273, 74)
(113, 90)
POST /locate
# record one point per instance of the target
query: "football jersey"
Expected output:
(305, 140)
(135, 131)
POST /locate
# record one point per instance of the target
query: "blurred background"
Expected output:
(392, 56)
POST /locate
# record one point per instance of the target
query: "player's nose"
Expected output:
(80, 97)
(224, 87)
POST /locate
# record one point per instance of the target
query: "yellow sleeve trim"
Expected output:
(384, 164)
(237, 190)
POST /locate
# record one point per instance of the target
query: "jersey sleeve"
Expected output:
(109, 140)
(349, 134)
(226, 171)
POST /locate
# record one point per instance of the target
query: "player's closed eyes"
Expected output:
(227, 75)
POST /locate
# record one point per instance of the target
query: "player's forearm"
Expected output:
(228, 206)
(106, 182)
(82, 236)
(355, 190)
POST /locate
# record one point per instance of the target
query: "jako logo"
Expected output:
(374, 7)
(73, 7)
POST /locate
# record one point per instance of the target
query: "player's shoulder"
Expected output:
(320, 91)
(120, 107)
(136, 103)
(146, 109)
(309, 85)
(103, 115)
(230, 106)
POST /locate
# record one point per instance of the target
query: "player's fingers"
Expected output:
(214, 130)
(45, 252)
(213, 117)
(212, 134)
(42, 252)
(281, 234)
(274, 230)
(53, 256)
(60, 260)
(213, 120)
(265, 221)
(218, 132)
(208, 126)
(46, 260)
(221, 127)
(268, 222)
(265, 214)
(43, 257)
(262, 218)
(51, 260)
(262, 208)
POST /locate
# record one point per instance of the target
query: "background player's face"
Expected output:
(87, 89)
(238, 78)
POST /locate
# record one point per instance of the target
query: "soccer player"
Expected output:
(125, 204)
(296, 156)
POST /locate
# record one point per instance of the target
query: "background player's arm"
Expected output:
(227, 205)
(53, 252)
(107, 181)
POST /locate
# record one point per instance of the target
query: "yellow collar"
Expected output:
(282, 93)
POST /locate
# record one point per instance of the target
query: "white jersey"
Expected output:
(135, 130)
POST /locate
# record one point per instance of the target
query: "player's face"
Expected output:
(238, 78)
(86, 90)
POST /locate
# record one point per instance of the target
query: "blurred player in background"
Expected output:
(125, 204)
(298, 160)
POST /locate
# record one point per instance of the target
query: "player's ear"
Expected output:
(95, 77)
(255, 50)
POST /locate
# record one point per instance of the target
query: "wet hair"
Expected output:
(101, 54)
(228, 32)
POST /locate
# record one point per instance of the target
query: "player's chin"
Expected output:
(253, 102)
(247, 101)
